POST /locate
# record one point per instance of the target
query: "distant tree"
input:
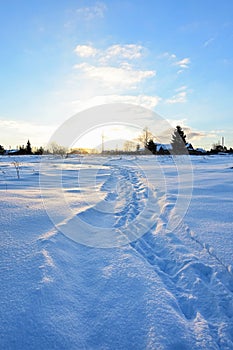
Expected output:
(145, 136)
(28, 148)
(151, 146)
(39, 151)
(129, 146)
(54, 148)
(216, 148)
(178, 141)
(1, 149)
(22, 150)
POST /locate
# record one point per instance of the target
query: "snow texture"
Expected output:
(165, 289)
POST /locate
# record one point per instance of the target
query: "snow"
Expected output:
(106, 253)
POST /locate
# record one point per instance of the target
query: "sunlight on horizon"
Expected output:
(108, 137)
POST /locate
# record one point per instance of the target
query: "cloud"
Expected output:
(92, 12)
(170, 56)
(208, 42)
(181, 64)
(113, 68)
(15, 133)
(191, 134)
(123, 77)
(100, 76)
(113, 52)
(184, 63)
(194, 135)
(178, 98)
(85, 51)
(129, 51)
(182, 88)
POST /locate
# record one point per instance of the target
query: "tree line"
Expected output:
(178, 145)
(23, 150)
(53, 148)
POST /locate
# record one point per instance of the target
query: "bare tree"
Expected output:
(129, 146)
(54, 148)
(17, 168)
(145, 136)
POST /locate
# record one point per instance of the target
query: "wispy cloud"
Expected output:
(194, 135)
(208, 42)
(89, 13)
(168, 55)
(180, 97)
(181, 88)
(123, 77)
(184, 63)
(22, 131)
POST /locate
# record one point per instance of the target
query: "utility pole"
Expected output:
(102, 151)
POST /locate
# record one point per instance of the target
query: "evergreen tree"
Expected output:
(151, 146)
(39, 151)
(22, 150)
(1, 149)
(178, 141)
(28, 148)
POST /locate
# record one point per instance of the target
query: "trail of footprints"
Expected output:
(180, 266)
(127, 193)
(198, 288)
(184, 265)
(185, 269)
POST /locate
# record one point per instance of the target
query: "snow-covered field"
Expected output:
(129, 265)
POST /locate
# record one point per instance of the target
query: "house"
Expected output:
(200, 150)
(10, 152)
(163, 148)
(189, 147)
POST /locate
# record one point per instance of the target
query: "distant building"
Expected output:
(189, 147)
(11, 152)
(163, 148)
(201, 150)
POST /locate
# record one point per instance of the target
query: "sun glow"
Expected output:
(107, 137)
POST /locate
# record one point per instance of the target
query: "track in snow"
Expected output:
(189, 269)
(117, 205)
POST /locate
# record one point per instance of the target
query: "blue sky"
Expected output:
(60, 57)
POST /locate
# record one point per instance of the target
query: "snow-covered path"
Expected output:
(160, 290)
